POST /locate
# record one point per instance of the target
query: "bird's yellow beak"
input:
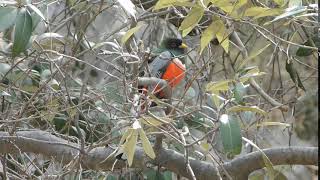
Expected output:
(183, 46)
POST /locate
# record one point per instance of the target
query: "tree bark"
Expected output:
(41, 142)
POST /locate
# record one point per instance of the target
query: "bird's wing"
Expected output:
(159, 64)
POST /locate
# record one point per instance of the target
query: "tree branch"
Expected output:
(236, 39)
(44, 143)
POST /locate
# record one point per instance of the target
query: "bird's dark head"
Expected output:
(174, 45)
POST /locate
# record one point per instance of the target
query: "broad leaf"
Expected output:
(4, 93)
(247, 108)
(37, 11)
(207, 36)
(215, 98)
(154, 121)
(129, 146)
(281, 3)
(52, 109)
(48, 41)
(129, 33)
(167, 3)
(4, 68)
(7, 17)
(125, 136)
(239, 92)
(230, 135)
(187, 31)
(157, 175)
(146, 144)
(221, 3)
(306, 51)
(193, 17)
(258, 12)
(251, 72)
(252, 56)
(222, 34)
(294, 3)
(218, 86)
(22, 33)
(112, 92)
(289, 12)
(294, 75)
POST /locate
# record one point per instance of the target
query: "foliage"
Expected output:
(62, 73)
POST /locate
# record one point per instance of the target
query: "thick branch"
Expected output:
(41, 142)
(278, 156)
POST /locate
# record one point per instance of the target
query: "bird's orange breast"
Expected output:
(174, 73)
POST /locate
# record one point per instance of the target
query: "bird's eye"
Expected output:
(173, 45)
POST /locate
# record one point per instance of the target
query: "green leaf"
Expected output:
(218, 86)
(221, 3)
(22, 33)
(129, 146)
(35, 20)
(52, 109)
(294, 75)
(188, 30)
(7, 17)
(112, 92)
(247, 108)
(230, 135)
(167, 175)
(4, 68)
(37, 11)
(258, 12)
(252, 56)
(184, 4)
(279, 175)
(207, 36)
(154, 175)
(305, 51)
(167, 3)
(28, 85)
(110, 177)
(239, 92)
(216, 98)
(281, 3)
(257, 175)
(146, 144)
(129, 33)
(4, 93)
(222, 34)
(193, 17)
(268, 123)
(250, 72)
(302, 52)
(289, 12)
(155, 120)
(266, 160)
(294, 3)
(45, 74)
(48, 41)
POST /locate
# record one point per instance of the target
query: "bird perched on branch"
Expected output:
(168, 63)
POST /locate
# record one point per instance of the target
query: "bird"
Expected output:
(168, 63)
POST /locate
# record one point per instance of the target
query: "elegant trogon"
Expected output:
(168, 63)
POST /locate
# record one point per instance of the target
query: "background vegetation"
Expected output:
(70, 104)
